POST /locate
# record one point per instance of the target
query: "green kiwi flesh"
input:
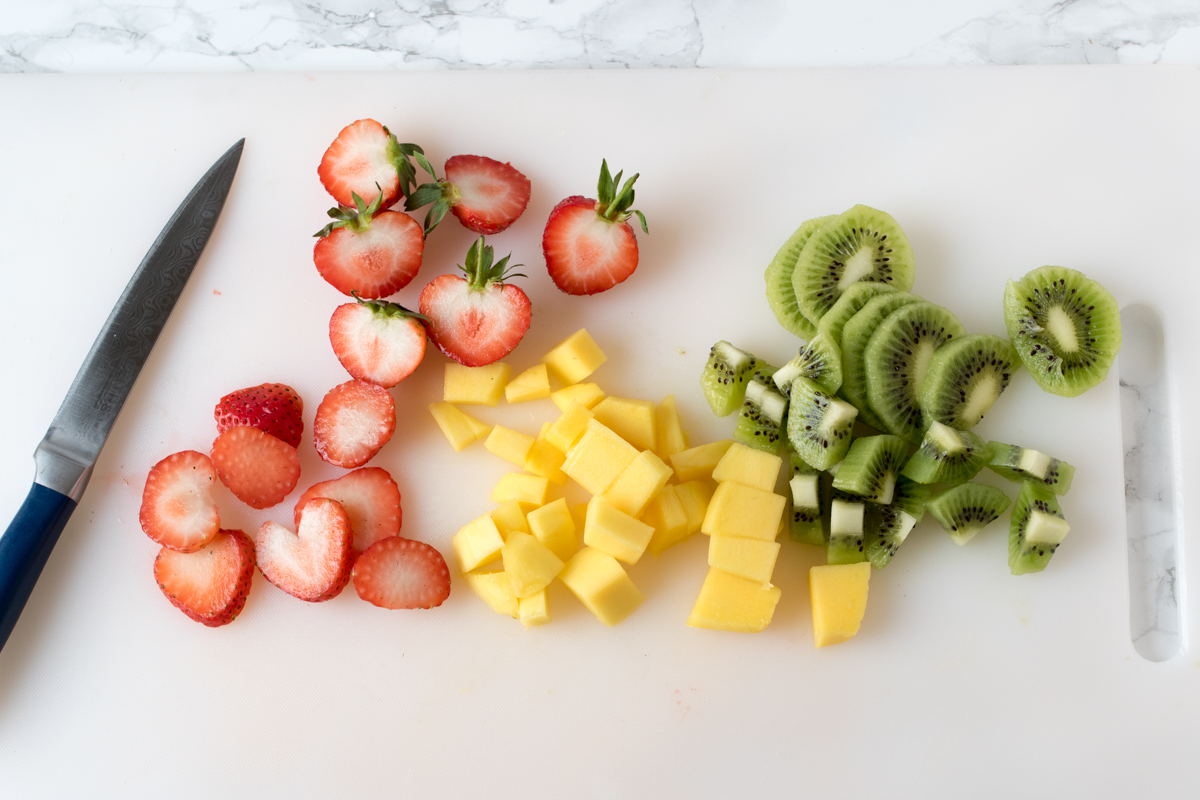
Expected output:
(947, 455)
(846, 518)
(910, 497)
(820, 360)
(764, 410)
(1065, 327)
(885, 529)
(781, 296)
(807, 524)
(870, 467)
(965, 510)
(855, 335)
(818, 424)
(725, 377)
(965, 377)
(1025, 464)
(849, 304)
(1036, 529)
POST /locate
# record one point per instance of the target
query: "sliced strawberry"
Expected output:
(487, 195)
(378, 342)
(314, 562)
(368, 252)
(177, 504)
(589, 245)
(480, 319)
(353, 421)
(362, 159)
(371, 499)
(273, 408)
(402, 573)
(211, 584)
(259, 469)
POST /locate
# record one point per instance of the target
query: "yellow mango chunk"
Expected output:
(586, 394)
(574, 358)
(615, 532)
(532, 384)
(481, 429)
(749, 467)
(839, 600)
(602, 585)
(669, 435)
(699, 462)
(534, 610)
(481, 386)
(545, 460)
(598, 458)
(566, 430)
(522, 488)
(510, 517)
(477, 543)
(509, 444)
(579, 514)
(494, 589)
(730, 603)
(632, 420)
(665, 513)
(554, 527)
(454, 424)
(645, 476)
(695, 496)
(529, 563)
(739, 510)
(753, 559)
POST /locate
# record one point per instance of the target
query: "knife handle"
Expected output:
(24, 548)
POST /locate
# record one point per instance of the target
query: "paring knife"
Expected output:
(67, 453)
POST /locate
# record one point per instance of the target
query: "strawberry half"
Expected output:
(273, 408)
(354, 420)
(378, 342)
(210, 585)
(368, 252)
(485, 194)
(314, 562)
(402, 573)
(480, 319)
(371, 499)
(589, 245)
(258, 468)
(178, 510)
(366, 158)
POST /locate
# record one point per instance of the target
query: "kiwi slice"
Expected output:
(1065, 327)
(910, 497)
(760, 422)
(725, 377)
(855, 335)
(965, 510)
(1036, 529)
(818, 424)
(1025, 464)
(849, 304)
(781, 296)
(846, 513)
(820, 360)
(884, 530)
(947, 455)
(897, 358)
(965, 377)
(809, 499)
(863, 244)
(870, 467)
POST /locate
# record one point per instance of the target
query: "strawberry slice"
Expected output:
(378, 342)
(589, 245)
(314, 562)
(273, 408)
(402, 573)
(485, 194)
(211, 584)
(368, 252)
(366, 158)
(354, 420)
(371, 499)
(480, 319)
(258, 468)
(178, 510)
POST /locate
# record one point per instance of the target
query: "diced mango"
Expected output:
(665, 513)
(637, 484)
(839, 600)
(480, 428)
(579, 514)
(567, 429)
(749, 467)
(598, 458)
(586, 394)
(699, 462)
(529, 563)
(669, 435)
(747, 558)
(615, 532)
(730, 603)
(523, 488)
(532, 384)
(494, 589)
(554, 527)
(695, 495)
(475, 385)
(602, 585)
(509, 444)
(534, 610)
(739, 510)
(546, 460)
(510, 517)
(477, 543)
(574, 358)
(454, 424)
(632, 420)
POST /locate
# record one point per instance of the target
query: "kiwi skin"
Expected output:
(781, 294)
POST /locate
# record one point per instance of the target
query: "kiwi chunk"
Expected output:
(849, 304)
(1065, 327)
(897, 358)
(818, 424)
(781, 296)
(725, 377)
(862, 244)
(846, 518)
(1025, 464)
(947, 455)
(965, 510)
(764, 409)
(911, 497)
(1036, 529)
(855, 336)
(820, 359)
(966, 376)
(871, 466)
(809, 501)
(885, 529)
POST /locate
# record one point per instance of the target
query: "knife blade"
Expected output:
(67, 453)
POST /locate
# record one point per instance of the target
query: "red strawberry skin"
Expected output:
(273, 408)
(371, 499)
(357, 160)
(475, 328)
(353, 422)
(258, 468)
(178, 510)
(402, 573)
(376, 262)
(490, 194)
(313, 563)
(585, 253)
(376, 347)
(210, 585)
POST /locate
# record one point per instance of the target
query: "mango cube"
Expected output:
(574, 358)
(753, 559)
(665, 513)
(699, 462)
(475, 385)
(586, 394)
(669, 436)
(510, 517)
(477, 543)
(522, 488)
(645, 476)
(839, 600)
(529, 563)
(509, 444)
(534, 610)
(695, 496)
(579, 514)
(615, 532)
(602, 585)
(545, 460)
(454, 424)
(566, 430)
(481, 429)
(730, 603)
(739, 510)
(532, 384)
(632, 420)
(554, 526)
(598, 458)
(749, 467)
(494, 589)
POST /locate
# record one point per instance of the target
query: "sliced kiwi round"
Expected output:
(855, 335)
(965, 377)
(818, 424)
(884, 530)
(897, 358)
(947, 455)
(965, 510)
(1065, 327)
(1035, 530)
(849, 304)
(781, 296)
(870, 468)
(820, 360)
(863, 244)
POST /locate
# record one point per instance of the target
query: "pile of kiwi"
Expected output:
(876, 409)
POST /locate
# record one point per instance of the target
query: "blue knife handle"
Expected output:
(24, 548)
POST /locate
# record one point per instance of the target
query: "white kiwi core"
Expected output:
(1062, 328)
(858, 266)
(980, 399)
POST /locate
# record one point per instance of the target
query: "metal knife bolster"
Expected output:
(60, 468)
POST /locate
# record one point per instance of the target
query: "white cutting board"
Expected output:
(964, 680)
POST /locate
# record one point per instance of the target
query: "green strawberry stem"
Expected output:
(388, 309)
(481, 272)
(357, 219)
(614, 206)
